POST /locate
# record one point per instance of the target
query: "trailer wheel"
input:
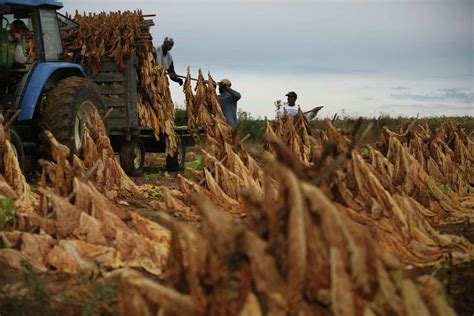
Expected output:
(176, 162)
(69, 104)
(18, 148)
(132, 157)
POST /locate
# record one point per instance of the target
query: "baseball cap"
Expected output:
(20, 25)
(292, 94)
(225, 82)
(168, 39)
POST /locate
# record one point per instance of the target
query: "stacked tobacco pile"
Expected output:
(296, 254)
(117, 35)
(295, 133)
(76, 229)
(98, 159)
(13, 185)
(97, 150)
(365, 189)
(392, 196)
(228, 166)
(444, 154)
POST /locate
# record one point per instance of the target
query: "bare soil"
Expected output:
(458, 281)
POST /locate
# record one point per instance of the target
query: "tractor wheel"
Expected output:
(176, 162)
(18, 148)
(132, 157)
(70, 104)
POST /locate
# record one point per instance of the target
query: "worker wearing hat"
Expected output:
(228, 99)
(163, 58)
(289, 106)
(18, 32)
(292, 109)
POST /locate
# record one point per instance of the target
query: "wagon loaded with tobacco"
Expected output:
(116, 51)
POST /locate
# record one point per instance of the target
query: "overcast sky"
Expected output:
(354, 57)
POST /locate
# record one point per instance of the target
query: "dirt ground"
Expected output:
(156, 175)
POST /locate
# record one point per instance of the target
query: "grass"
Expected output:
(104, 301)
(27, 294)
(196, 164)
(30, 295)
(7, 212)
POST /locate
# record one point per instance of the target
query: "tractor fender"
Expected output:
(43, 75)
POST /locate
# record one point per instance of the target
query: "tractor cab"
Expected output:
(29, 33)
(33, 72)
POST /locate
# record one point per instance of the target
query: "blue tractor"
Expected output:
(39, 90)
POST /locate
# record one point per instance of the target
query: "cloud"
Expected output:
(441, 95)
(428, 38)
(400, 88)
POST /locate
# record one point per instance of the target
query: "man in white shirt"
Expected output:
(293, 109)
(17, 32)
(289, 106)
(163, 57)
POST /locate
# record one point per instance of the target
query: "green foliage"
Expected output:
(156, 193)
(7, 213)
(103, 302)
(180, 117)
(278, 104)
(249, 125)
(196, 164)
(255, 128)
(30, 295)
(151, 176)
(447, 189)
(364, 152)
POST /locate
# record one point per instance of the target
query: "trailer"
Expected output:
(119, 92)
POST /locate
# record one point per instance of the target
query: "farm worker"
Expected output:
(17, 32)
(293, 109)
(228, 99)
(163, 58)
(289, 106)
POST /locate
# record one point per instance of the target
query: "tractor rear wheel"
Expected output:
(68, 106)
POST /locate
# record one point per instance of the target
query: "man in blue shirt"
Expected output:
(228, 99)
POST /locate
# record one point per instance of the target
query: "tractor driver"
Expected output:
(12, 52)
(18, 31)
(164, 58)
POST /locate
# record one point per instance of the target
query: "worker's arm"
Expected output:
(235, 95)
(173, 75)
